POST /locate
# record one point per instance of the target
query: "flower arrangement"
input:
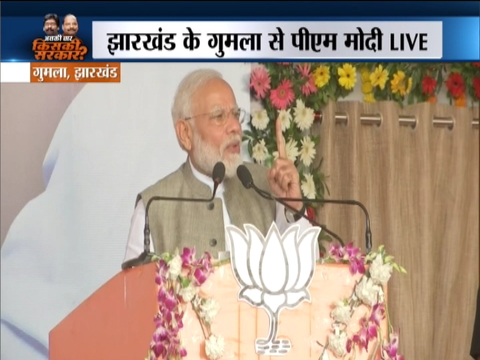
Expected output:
(179, 278)
(421, 82)
(297, 92)
(368, 291)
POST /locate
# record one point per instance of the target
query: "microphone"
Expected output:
(368, 231)
(146, 256)
(247, 181)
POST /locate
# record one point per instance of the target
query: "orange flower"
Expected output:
(461, 101)
(432, 99)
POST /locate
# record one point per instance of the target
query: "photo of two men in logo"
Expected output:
(51, 25)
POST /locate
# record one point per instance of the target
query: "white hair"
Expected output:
(182, 102)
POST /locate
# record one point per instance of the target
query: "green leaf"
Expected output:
(248, 133)
(166, 257)
(184, 282)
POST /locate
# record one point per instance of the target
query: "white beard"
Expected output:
(206, 156)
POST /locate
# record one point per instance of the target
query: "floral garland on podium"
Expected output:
(180, 276)
(368, 291)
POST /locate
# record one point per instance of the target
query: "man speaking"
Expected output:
(207, 123)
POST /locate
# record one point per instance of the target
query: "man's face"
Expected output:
(50, 27)
(213, 139)
(70, 26)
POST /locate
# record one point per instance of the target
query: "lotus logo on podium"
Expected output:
(274, 272)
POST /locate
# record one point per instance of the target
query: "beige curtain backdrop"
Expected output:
(421, 187)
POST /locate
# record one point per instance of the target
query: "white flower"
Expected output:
(188, 293)
(209, 309)
(380, 272)
(337, 342)
(367, 291)
(260, 119)
(308, 187)
(175, 267)
(304, 116)
(214, 347)
(260, 152)
(307, 153)
(291, 148)
(341, 313)
(285, 118)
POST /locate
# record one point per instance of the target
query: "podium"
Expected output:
(116, 322)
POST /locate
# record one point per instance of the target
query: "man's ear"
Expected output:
(184, 134)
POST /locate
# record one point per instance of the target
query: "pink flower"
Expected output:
(361, 339)
(203, 268)
(349, 345)
(364, 335)
(159, 350)
(351, 250)
(283, 95)
(183, 352)
(378, 313)
(357, 265)
(309, 86)
(162, 294)
(260, 81)
(179, 320)
(391, 348)
(160, 334)
(350, 253)
(169, 319)
(200, 276)
(336, 251)
(356, 259)
(170, 300)
(187, 256)
(161, 275)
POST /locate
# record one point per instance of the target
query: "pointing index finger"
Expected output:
(282, 152)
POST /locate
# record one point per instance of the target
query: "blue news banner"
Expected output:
(460, 41)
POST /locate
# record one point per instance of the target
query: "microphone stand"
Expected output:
(147, 256)
(268, 196)
(368, 232)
